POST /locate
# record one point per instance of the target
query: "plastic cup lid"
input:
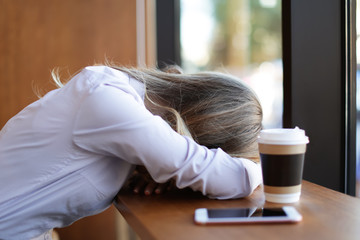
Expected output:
(284, 136)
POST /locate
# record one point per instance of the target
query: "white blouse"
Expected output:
(68, 154)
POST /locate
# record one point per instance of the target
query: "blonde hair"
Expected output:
(217, 110)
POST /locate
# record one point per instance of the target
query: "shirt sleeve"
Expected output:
(112, 122)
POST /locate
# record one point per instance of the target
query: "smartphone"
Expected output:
(247, 215)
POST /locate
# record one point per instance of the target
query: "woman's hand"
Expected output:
(141, 181)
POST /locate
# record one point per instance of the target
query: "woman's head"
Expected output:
(218, 110)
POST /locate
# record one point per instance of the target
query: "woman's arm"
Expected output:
(112, 122)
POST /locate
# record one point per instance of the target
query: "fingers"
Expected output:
(141, 182)
(139, 185)
(150, 187)
(161, 188)
(146, 186)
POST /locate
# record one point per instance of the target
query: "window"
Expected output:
(318, 62)
(241, 37)
(358, 98)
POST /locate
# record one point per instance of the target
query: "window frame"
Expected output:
(168, 32)
(320, 86)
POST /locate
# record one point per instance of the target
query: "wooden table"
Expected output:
(327, 214)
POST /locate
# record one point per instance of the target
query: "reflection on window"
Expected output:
(358, 98)
(241, 37)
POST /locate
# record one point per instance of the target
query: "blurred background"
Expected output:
(241, 37)
(358, 97)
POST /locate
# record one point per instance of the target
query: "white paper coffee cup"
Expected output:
(282, 154)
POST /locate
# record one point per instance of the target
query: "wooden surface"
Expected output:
(326, 215)
(39, 35)
(102, 226)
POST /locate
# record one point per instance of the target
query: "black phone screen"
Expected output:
(245, 212)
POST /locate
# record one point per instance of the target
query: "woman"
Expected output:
(67, 155)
